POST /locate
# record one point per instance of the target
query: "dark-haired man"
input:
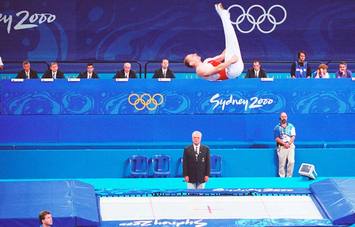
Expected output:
(301, 68)
(27, 72)
(89, 73)
(45, 219)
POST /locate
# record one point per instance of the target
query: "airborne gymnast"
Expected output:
(227, 65)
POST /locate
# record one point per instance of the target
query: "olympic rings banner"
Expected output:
(33, 97)
(144, 30)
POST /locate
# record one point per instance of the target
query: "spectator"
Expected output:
(256, 71)
(27, 72)
(53, 72)
(89, 73)
(45, 219)
(322, 72)
(301, 68)
(196, 163)
(1, 64)
(164, 71)
(343, 71)
(126, 72)
(284, 134)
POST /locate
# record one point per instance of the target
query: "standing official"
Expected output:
(196, 163)
(284, 134)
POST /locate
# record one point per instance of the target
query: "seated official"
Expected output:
(89, 73)
(53, 72)
(301, 68)
(126, 72)
(27, 72)
(322, 72)
(343, 71)
(164, 71)
(256, 71)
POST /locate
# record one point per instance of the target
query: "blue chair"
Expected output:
(179, 167)
(138, 166)
(161, 165)
(216, 166)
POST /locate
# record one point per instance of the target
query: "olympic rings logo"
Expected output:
(145, 101)
(256, 22)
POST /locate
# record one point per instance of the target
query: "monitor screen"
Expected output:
(305, 168)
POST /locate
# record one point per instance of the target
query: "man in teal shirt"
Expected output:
(284, 134)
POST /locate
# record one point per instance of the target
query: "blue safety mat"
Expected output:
(337, 198)
(72, 203)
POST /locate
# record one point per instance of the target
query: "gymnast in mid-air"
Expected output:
(229, 64)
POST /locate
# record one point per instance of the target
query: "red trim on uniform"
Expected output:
(222, 74)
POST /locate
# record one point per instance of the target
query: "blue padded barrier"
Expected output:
(337, 198)
(72, 203)
(112, 163)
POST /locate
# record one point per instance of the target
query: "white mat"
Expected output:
(208, 207)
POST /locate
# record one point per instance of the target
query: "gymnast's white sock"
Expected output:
(232, 44)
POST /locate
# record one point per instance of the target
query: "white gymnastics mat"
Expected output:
(208, 207)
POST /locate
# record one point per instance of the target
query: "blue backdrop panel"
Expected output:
(177, 97)
(65, 112)
(337, 198)
(137, 129)
(153, 29)
(72, 203)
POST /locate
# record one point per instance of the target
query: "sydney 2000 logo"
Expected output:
(25, 20)
(254, 102)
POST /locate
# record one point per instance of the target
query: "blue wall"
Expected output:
(153, 29)
(112, 163)
(99, 111)
(61, 129)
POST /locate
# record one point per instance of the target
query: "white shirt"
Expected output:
(89, 75)
(256, 73)
(54, 75)
(197, 148)
(164, 72)
(1, 64)
(27, 74)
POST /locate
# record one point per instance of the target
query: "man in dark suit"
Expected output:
(27, 72)
(126, 72)
(196, 163)
(53, 72)
(256, 71)
(164, 71)
(89, 73)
